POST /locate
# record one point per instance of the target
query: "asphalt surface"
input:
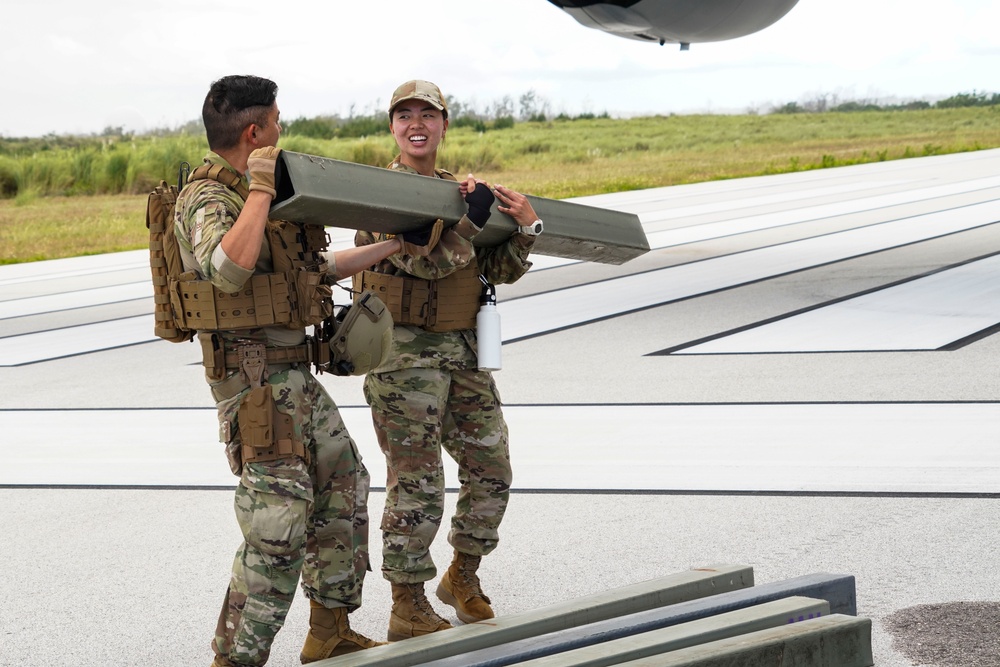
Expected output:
(845, 421)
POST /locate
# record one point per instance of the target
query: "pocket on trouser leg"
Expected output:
(273, 524)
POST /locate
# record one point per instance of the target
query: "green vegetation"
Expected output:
(66, 196)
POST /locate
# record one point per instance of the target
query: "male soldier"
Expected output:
(430, 393)
(302, 497)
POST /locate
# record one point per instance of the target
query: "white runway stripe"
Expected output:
(56, 343)
(97, 296)
(801, 213)
(74, 267)
(552, 311)
(809, 448)
(923, 314)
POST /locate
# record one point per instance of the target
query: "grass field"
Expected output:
(91, 199)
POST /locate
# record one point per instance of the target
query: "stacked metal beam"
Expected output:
(706, 617)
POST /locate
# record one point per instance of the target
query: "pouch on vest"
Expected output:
(164, 260)
(164, 255)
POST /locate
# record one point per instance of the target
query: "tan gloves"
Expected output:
(422, 241)
(260, 168)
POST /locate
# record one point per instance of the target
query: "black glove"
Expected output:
(420, 242)
(479, 200)
(417, 237)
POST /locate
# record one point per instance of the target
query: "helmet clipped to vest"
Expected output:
(362, 336)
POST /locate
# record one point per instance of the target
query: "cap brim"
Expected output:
(422, 98)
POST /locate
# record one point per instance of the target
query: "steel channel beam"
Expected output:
(833, 641)
(838, 590)
(322, 191)
(672, 589)
(693, 633)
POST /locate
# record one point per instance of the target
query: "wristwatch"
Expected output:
(534, 229)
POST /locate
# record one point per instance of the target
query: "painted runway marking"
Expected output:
(823, 448)
(927, 313)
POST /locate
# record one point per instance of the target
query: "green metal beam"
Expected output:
(674, 588)
(777, 613)
(323, 191)
(830, 641)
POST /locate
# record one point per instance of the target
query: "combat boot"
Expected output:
(330, 635)
(412, 614)
(221, 661)
(460, 588)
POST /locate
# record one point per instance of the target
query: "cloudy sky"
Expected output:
(78, 67)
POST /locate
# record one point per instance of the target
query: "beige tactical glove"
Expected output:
(260, 167)
(422, 241)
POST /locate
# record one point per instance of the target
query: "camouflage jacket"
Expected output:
(414, 347)
(205, 211)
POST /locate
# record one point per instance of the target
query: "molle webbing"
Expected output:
(295, 296)
(218, 173)
(164, 260)
(265, 300)
(448, 304)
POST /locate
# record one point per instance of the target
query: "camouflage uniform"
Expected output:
(430, 394)
(297, 517)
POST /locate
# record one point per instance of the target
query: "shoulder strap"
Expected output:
(219, 174)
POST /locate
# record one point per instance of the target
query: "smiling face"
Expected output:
(418, 128)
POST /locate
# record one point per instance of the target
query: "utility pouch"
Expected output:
(257, 408)
(212, 356)
(266, 433)
(256, 416)
(314, 298)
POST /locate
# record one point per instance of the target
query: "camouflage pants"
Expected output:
(416, 412)
(297, 519)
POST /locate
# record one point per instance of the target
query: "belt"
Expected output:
(275, 356)
(230, 383)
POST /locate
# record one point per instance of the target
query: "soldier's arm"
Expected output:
(349, 261)
(509, 261)
(455, 250)
(241, 244)
(210, 211)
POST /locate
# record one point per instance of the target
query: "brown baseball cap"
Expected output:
(419, 90)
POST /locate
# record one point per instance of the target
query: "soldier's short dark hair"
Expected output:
(232, 103)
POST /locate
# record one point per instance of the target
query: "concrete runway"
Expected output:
(798, 377)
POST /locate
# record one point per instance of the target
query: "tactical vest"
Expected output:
(294, 295)
(448, 304)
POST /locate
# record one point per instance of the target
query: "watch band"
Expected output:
(534, 229)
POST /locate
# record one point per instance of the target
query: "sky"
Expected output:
(77, 68)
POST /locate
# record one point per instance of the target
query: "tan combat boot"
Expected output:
(412, 614)
(220, 661)
(330, 635)
(460, 588)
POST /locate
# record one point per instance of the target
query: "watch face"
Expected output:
(534, 229)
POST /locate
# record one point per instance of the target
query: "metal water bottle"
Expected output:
(488, 329)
